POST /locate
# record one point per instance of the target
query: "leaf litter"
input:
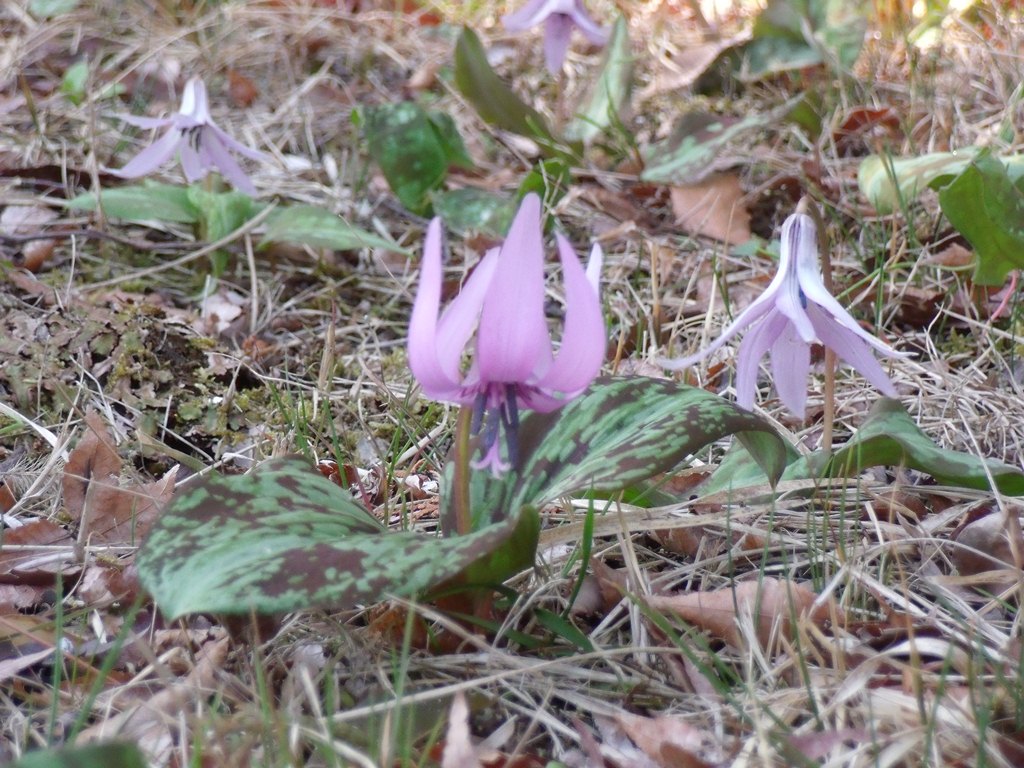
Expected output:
(919, 621)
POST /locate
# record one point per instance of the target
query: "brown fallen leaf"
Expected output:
(984, 544)
(27, 557)
(771, 603)
(670, 740)
(713, 208)
(107, 512)
(29, 220)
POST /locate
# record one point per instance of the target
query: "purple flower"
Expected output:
(794, 311)
(192, 134)
(503, 300)
(559, 17)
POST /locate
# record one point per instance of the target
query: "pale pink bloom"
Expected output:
(559, 17)
(514, 365)
(794, 311)
(193, 135)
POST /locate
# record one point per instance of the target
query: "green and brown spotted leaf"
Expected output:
(284, 537)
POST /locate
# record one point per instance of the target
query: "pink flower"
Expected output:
(503, 300)
(794, 311)
(192, 134)
(559, 17)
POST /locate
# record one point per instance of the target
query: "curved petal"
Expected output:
(461, 317)
(799, 243)
(761, 306)
(852, 350)
(237, 146)
(755, 345)
(152, 157)
(213, 153)
(140, 121)
(513, 342)
(423, 340)
(791, 361)
(594, 32)
(557, 31)
(583, 340)
(530, 15)
(594, 264)
(194, 103)
(191, 162)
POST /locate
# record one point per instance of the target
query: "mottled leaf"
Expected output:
(221, 213)
(319, 228)
(619, 432)
(145, 202)
(284, 537)
(469, 210)
(609, 93)
(987, 208)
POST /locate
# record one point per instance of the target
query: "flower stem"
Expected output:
(806, 205)
(463, 431)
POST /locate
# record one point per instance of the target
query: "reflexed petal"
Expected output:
(755, 344)
(461, 317)
(583, 340)
(423, 341)
(194, 103)
(512, 341)
(139, 121)
(851, 349)
(764, 304)
(594, 264)
(152, 157)
(557, 31)
(791, 361)
(191, 163)
(542, 402)
(531, 14)
(237, 146)
(219, 157)
(595, 33)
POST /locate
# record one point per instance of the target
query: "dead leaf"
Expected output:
(29, 220)
(458, 748)
(27, 566)
(670, 740)
(241, 89)
(770, 603)
(984, 545)
(94, 498)
(713, 208)
(954, 256)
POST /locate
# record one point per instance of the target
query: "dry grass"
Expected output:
(920, 664)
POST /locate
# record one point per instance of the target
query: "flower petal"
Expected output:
(191, 163)
(461, 317)
(594, 264)
(583, 340)
(237, 146)
(194, 103)
(530, 15)
(851, 349)
(217, 155)
(152, 157)
(760, 307)
(755, 345)
(594, 32)
(513, 342)
(140, 121)
(423, 340)
(791, 361)
(557, 31)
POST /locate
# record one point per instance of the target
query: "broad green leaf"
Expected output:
(146, 202)
(114, 754)
(493, 100)
(609, 94)
(886, 181)
(221, 213)
(794, 34)
(319, 228)
(693, 148)
(474, 210)
(407, 146)
(619, 432)
(987, 208)
(889, 437)
(284, 537)
(451, 140)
